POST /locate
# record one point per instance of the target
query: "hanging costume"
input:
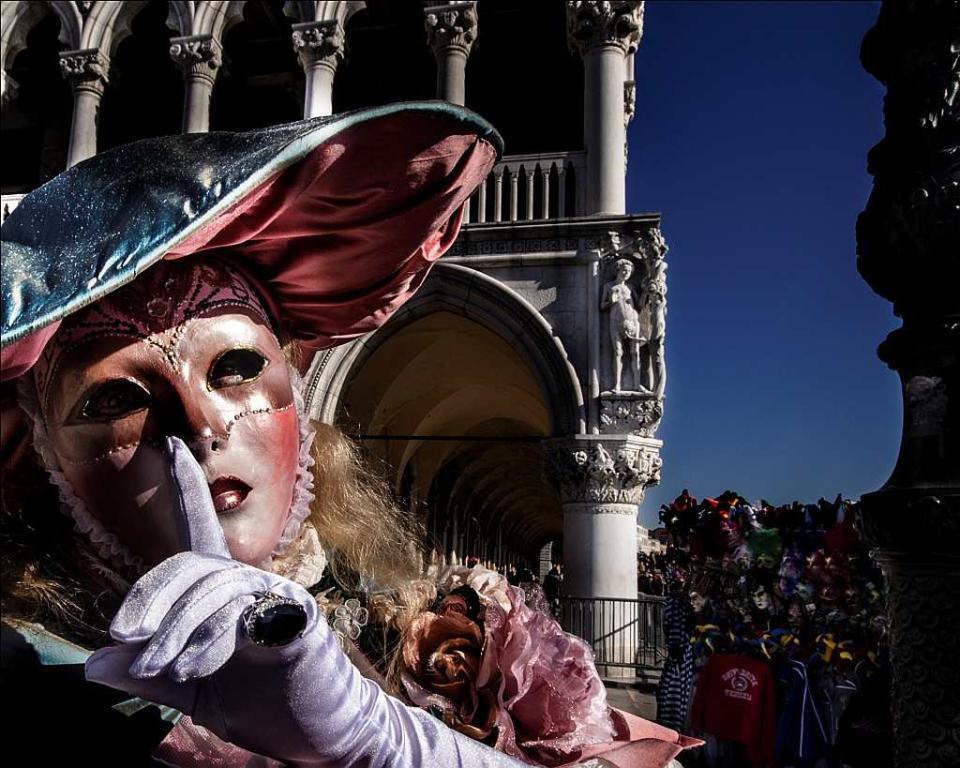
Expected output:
(735, 701)
(676, 679)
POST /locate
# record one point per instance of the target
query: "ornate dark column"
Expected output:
(908, 245)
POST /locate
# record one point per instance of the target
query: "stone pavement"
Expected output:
(635, 701)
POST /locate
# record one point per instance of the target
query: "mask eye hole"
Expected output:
(115, 399)
(236, 366)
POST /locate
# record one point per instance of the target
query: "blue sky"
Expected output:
(752, 127)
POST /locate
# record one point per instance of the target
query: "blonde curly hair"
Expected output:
(374, 545)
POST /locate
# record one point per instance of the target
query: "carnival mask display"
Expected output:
(186, 351)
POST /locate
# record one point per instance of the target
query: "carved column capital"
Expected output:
(319, 42)
(592, 24)
(199, 56)
(603, 469)
(451, 26)
(85, 70)
(908, 235)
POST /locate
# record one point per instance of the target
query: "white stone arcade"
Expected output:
(495, 399)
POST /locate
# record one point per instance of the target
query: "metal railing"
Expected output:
(530, 188)
(8, 203)
(623, 633)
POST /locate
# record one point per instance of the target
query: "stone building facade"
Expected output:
(514, 402)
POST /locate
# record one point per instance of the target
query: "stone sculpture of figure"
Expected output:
(619, 298)
(654, 298)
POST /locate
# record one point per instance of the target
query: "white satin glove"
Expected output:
(181, 644)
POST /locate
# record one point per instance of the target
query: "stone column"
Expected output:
(451, 30)
(603, 33)
(602, 479)
(199, 57)
(319, 46)
(86, 71)
(908, 241)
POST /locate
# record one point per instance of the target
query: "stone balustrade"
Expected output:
(530, 187)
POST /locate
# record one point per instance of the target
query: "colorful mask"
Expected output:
(762, 600)
(766, 546)
(186, 350)
(697, 602)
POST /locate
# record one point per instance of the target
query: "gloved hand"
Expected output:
(180, 644)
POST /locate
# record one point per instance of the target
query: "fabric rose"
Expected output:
(441, 659)
(551, 703)
(501, 672)
(490, 585)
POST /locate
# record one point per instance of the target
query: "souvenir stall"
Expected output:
(775, 630)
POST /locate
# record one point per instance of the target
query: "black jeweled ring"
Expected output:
(274, 620)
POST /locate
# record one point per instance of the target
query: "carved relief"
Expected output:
(629, 100)
(587, 471)
(911, 215)
(628, 510)
(199, 56)
(319, 41)
(451, 26)
(516, 245)
(595, 24)
(925, 696)
(631, 416)
(85, 69)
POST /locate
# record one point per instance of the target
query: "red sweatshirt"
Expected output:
(735, 701)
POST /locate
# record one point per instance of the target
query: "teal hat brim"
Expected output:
(98, 225)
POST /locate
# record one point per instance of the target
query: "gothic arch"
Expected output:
(490, 303)
(181, 16)
(418, 394)
(109, 23)
(322, 10)
(214, 16)
(17, 19)
(341, 10)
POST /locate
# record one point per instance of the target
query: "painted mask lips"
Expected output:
(228, 493)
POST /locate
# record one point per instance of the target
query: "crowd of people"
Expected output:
(651, 573)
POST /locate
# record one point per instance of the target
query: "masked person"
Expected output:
(157, 301)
